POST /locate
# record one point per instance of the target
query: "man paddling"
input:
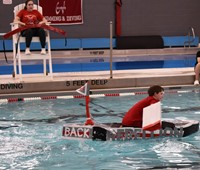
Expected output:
(133, 118)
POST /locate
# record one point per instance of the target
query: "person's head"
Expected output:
(156, 91)
(29, 5)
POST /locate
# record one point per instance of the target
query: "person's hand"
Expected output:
(42, 22)
(22, 24)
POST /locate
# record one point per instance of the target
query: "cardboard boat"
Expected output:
(113, 131)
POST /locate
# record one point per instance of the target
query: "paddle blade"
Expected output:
(152, 117)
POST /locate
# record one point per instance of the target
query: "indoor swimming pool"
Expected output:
(34, 137)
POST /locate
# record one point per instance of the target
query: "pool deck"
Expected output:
(67, 83)
(34, 85)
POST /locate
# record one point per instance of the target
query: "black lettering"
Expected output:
(98, 82)
(20, 86)
(67, 83)
(75, 83)
(2, 86)
(92, 82)
(11, 86)
(79, 83)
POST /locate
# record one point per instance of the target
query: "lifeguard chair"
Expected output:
(19, 56)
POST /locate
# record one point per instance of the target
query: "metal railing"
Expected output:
(111, 49)
(191, 37)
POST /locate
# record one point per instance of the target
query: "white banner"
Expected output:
(7, 2)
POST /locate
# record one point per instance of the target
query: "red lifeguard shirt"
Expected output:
(30, 17)
(133, 117)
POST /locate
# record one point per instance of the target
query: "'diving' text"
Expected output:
(11, 86)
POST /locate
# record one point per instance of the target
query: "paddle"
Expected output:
(152, 117)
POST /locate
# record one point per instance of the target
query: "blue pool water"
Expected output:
(37, 143)
(102, 63)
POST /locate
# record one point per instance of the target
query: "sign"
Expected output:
(7, 2)
(65, 12)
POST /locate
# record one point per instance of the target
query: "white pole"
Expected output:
(111, 49)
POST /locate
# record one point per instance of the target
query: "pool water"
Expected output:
(37, 143)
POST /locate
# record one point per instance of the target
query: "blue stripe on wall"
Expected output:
(97, 43)
(178, 41)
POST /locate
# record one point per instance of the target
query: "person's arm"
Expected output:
(44, 21)
(17, 20)
(41, 18)
(197, 68)
(198, 60)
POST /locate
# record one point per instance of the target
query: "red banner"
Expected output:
(62, 11)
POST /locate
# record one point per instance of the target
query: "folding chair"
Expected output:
(19, 56)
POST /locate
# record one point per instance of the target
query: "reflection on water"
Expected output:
(174, 151)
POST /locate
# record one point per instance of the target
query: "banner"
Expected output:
(65, 12)
(7, 2)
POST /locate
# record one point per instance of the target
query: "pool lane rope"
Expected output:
(18, 99)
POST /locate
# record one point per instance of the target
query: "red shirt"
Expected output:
(30, 17)
(133, 117)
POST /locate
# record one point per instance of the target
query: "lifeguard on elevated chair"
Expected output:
(29, 15)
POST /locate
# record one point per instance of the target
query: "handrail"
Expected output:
(111, 49)
(191, 30)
